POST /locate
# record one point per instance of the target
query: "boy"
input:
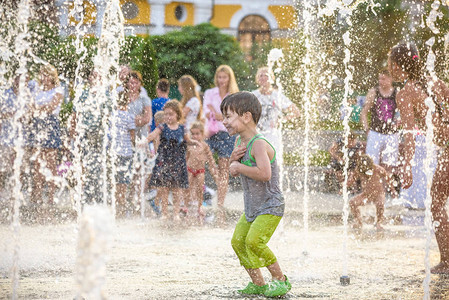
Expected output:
(254, 159)
(197, 157)
(372, 178)
(337, 164)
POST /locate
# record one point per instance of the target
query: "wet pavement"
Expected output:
(155, 259)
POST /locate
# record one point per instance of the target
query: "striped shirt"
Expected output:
(124, 122)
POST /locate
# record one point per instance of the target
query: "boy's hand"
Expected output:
(238, 153)
(233, 168)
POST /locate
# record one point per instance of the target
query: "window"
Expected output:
(253, 29)
(180, 13)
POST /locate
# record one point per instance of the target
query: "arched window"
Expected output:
(253, 29)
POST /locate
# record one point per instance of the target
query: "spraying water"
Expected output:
(307, 17)
(430, 148)
(95, 227)
(21, 48)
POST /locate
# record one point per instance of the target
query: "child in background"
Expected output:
(158, 120)
(170, 171)
(192, 108)
(197, 156)
(355, 148)
(254, 159)
(372, 178)
(124, 143)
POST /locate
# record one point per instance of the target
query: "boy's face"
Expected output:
(233, 122)
(196, 134)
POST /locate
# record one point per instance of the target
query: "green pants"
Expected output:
(250, 241)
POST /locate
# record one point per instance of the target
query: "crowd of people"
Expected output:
(162, 146)
(186, 132)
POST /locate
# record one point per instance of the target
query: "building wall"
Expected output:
(158, 17)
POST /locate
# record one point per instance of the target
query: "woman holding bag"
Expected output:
(218, 138)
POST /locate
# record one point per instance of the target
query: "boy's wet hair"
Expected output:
(122, 99)
(163, 85)
(198, 125)
(242, 102)
(365, 164)
(159, 117)
(176, 107)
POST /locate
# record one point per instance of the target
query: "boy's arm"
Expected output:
(262, 170)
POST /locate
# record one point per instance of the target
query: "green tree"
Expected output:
(373, 32)
(198, 51)
(142, 58)
(441, 50)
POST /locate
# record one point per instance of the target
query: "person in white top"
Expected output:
(123, 76)
(276, 108)
(46, 132)
(192, 108)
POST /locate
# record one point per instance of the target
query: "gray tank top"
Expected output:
(261, 197)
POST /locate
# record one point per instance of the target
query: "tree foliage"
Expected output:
(140, 54)
(198, 51)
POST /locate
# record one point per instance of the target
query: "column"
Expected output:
(157, 17)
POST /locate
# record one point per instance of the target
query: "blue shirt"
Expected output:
(157, 105)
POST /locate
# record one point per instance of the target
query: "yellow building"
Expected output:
(249, 21)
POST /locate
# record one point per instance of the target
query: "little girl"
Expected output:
(197, 156)
(170, 171)
(192, 108)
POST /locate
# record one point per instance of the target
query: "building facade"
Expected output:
(249, 21)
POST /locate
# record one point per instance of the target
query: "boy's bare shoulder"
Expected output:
(262, 142)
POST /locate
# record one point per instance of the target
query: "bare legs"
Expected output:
(45, 160)
(177, 194)
(222, 186)
(354, 204)
(196, 192)
(440, 194)
(120, 196)
(257, 278)
(358, 201)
